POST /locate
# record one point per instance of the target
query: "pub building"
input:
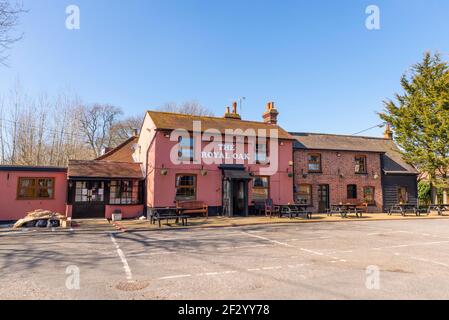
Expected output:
(227, 187)
(171, 161)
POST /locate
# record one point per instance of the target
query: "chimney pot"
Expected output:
(234, 107)
(270, 116)
(388, 134)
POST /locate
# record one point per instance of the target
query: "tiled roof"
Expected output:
(172, 121)
(122, 153)
(393, 161)
(104, 169)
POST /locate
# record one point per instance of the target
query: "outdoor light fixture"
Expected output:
(164, 171)
(376, 176)
(203, 172)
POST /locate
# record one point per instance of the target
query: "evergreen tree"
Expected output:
(420, 118)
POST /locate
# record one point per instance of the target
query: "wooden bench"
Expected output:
(192, 207)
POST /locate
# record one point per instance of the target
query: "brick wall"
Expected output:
(338, 171)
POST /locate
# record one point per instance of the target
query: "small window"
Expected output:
(314, 162)
(352, 191)
(185, 187)
(360, 164)
(261, 188)
(186, 149)
(368, 195)
(36, 188)
(304, 194)
(124, 192)
(402, 195)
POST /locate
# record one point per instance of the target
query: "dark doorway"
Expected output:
(323, 197)
(240, 197)
(235, 197)
(89, 200)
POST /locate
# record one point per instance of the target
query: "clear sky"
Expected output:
(316, 59)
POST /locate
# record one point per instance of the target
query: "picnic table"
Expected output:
(404, 208)
(167, 213)
(440, 208)
(294, 210)
(344, 209)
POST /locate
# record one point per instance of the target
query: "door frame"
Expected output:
(327, 204)
(80, 210)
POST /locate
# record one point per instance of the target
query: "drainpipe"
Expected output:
(145, 184)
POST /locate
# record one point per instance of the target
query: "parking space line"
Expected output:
(268, 239)
(129, 275)
(175, 277)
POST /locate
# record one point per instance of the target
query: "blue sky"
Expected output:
(315, 59)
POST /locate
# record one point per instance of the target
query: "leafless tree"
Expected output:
(125, 129)
(189, 107)
(9, 19)
(97, 122)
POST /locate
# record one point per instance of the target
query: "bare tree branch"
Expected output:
(9, 19)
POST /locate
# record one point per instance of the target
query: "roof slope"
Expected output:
(104, 169)
(121, 153)
(393, 162)
(173, 121)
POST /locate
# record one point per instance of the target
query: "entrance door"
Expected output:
(323, 198)
(235, 197)
(89, 200)
(240, 197)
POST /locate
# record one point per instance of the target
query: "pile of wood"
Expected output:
(39, 215)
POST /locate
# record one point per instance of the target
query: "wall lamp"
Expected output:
(164, 171)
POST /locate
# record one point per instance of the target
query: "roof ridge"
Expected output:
(336, 135)
(117, 148)
(213, 117)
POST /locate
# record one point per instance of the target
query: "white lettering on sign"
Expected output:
(224, 155)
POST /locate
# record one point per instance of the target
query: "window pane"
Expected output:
(402, 195)
(368, 194)
(352, 191)
(360, 164)
(304, 195)
(185, 187)
(260, 189)
(314, 162)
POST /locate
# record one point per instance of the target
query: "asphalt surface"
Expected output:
(345, 260)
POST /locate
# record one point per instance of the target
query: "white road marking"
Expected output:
(129, 275)
(243, 247)
(175, 277)
(267, 239)
(312, 252)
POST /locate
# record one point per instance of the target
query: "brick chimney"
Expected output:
(271, 114)
(388, 134)
(233, 114)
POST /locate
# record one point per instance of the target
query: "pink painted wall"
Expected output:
(13, 209)
(128, 212)
(161, 189)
